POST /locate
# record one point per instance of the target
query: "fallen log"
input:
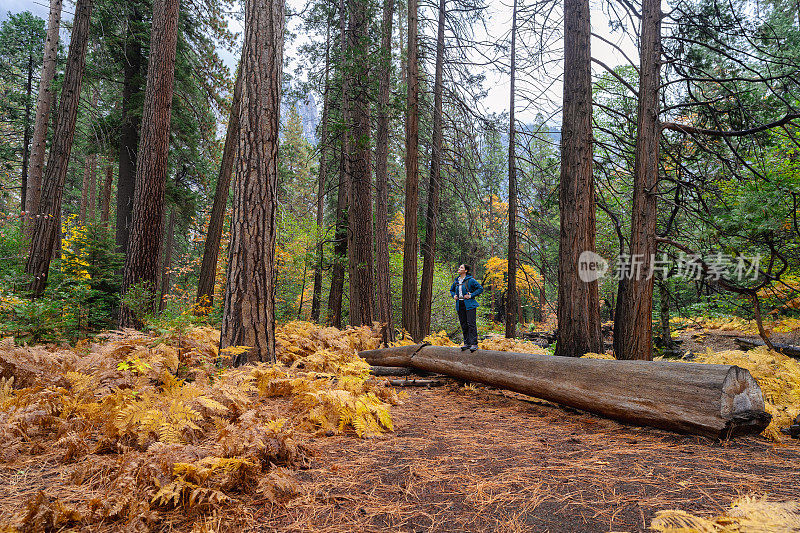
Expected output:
(785, 349)
(414, 382)
(717, 401)
(389, 371)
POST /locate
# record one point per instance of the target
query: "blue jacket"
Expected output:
(471, 286)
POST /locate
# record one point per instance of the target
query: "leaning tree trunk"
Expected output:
(410, 319)
(146, 232)
(578, 301)
(44, 102)
(208, 268)
(382, 278)
(633, 323)
(717, 401)
(512, 298)
(361, 261)
(249, 314)
(46, 228)
(432, 213)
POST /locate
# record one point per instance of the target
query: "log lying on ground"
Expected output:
(786, 349)
(717, 401)
(389, 370)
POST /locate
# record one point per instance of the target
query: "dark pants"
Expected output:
(467, 317)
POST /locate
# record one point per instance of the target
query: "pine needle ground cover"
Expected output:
(145, 433)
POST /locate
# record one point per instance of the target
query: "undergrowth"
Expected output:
(143, 432)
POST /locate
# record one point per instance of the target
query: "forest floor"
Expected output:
(78, 450)
(473, 458)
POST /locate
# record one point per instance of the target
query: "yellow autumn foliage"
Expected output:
(496, 277)
(178, 431)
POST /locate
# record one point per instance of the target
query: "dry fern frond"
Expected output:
(676, 521)
(598, 356)
(749, 514)
(511, 345)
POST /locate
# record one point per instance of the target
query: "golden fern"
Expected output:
(749, 514)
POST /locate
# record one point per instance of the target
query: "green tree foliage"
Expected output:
(21, 49)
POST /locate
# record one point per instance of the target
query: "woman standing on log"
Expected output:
(464, 290)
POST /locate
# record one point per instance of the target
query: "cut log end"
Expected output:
(742, 404)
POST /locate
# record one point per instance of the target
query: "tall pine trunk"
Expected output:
(578, 301)
(249, 313)
(512, 298)
(361, 261)
(46, 228)
(382, 278)
(343, 191)
(316, 299)
(87, 165)
(208, 268)
(129, 131)
(26, 136)
(44, 103)
(410, 319)
(167, 259)
(146, 231)
(633, 322)
(105, 199)
(432, 212)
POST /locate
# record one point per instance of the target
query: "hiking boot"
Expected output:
(465, 348)
(473, 348)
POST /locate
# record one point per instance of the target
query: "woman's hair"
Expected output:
(467, 268)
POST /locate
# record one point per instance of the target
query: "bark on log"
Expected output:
(785, 349)
(414, 382)
(389, 371)
(717, 401)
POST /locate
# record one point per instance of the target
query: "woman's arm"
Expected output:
(477, 288)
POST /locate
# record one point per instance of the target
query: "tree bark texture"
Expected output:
(249, 313)
(92, 158)
(360, 234)
(44, 102)
(167, 262)
(578, 301)
(46, 228)
(382, 278)
(434, 184)
(633, 325)
(147, 221)
(717, 401)
(87, 169)
(316, 299)
(105, 199)
(26, 135)
(129, 132)
(343, 190)
(512, 298)
(410, 319)
(208, 268)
